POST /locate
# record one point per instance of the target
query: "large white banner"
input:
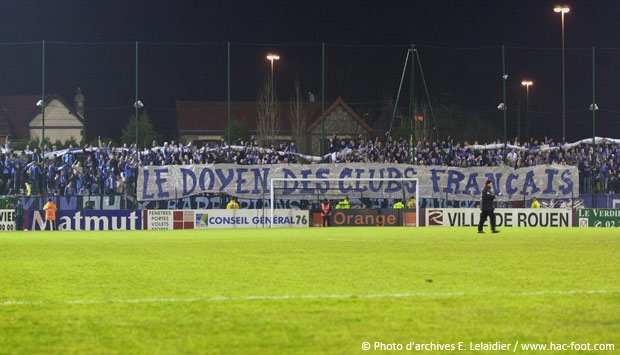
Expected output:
(452, 183)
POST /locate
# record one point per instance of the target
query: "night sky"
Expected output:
(182, 48)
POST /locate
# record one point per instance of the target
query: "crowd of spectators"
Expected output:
(104, 169)
(67, 172)
(598, 166)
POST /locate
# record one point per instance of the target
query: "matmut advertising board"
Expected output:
(87, 220)
(212, 219)
(504, 217)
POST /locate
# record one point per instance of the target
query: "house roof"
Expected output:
(15, 114)
(72, 111)
(205, 116)
(338, 102)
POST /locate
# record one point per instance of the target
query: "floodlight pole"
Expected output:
(593, 108)
(228, 103)
(43, 97)
(504, 77)
(527, 84)
(563, 83)
(136, 104)
(322, 100)
(563, 9)
(412, 137)
(271, 57)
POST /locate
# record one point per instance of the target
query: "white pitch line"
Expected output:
(302, 297)
(350, 240)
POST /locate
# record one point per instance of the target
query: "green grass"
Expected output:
(305, 291)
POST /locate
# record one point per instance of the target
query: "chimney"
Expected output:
(79, 102)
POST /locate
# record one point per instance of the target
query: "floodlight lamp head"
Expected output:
(501, 107)
(138, 104)
(40, 103)
(593, 107)
(505, 76)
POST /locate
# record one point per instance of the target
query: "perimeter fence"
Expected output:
(381, 83)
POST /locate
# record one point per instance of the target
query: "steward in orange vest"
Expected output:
(326, 212)
(50, 214)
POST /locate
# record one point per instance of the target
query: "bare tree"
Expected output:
(268, 110)
(299, 118)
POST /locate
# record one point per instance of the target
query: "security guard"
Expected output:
(344, 204)
(232, 205)
(412, 203)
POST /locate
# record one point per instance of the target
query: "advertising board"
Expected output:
(209, 219)
(598, 217)
(385, 217)
(78, 220)
(504, 217)
(7, 220)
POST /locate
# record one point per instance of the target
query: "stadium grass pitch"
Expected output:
(306, 291)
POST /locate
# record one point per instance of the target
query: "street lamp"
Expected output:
(271, 57)
(527, 84)
(562, 10)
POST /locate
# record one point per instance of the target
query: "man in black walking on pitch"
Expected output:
(487, 206)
